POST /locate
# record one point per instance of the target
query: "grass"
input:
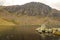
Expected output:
(4, 22)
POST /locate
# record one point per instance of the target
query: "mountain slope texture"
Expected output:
(33, 13)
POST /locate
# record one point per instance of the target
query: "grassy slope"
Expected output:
(35, 20)
(4, 22)
(5, 15)
(24, 20)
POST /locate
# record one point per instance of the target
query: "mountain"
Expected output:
(55, 13)
(33, 13)
(31, 9)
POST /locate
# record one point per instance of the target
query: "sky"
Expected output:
(52, 3)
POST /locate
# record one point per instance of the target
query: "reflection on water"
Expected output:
(51, 38)
(23, 33)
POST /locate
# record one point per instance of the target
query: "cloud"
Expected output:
(52, 3)
(56, 5)
(1, 2)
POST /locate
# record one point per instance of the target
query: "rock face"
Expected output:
(31, 9)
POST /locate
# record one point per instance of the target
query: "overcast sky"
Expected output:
(53, 3)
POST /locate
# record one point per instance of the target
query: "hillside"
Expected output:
(33, 13)
(6, 23)
(30, 9)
